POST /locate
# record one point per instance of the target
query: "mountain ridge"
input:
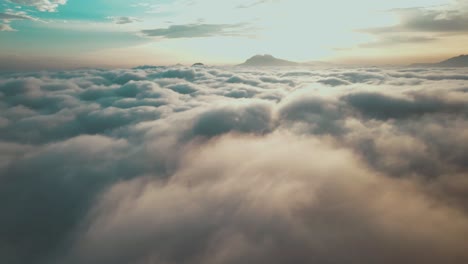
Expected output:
(457, 61)
(267, 60)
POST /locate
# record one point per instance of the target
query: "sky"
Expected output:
(122, 33)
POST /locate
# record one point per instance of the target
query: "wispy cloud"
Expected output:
(254, 3)
(196, 31)
(41, 5)
(15, 16)
(6, 27)
(10, 15)
(123, 19)
(424, 20)
(391, 40)
(418, 25)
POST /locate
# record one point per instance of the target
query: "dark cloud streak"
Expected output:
(418, 25)
(195, 31)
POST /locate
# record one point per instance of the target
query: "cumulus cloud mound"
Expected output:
(233, 165)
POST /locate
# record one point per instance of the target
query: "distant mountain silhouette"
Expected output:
(459, 61)
(267, 60)
(198, 64)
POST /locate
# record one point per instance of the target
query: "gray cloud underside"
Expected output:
(423, 20)
(224, 165)
(416, 23)
(124, 20)
(397, 39)
(194, 31)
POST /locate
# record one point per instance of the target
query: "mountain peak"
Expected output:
(267, 60)
(265, 56)
(458, 61)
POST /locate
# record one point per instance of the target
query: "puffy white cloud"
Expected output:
(273, 199)
(42, 5)
(230, 165)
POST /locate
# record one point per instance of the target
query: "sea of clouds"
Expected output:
(234, 165)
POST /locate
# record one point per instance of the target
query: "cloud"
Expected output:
(14, 16)
(183, 88)
(253, 3)
(123, 19)
(242, 198)
(422, 20)
(195, 31)
(229, 165)
(334, 82)
(454, 20)
(9, 16)
(250, 118)
(369, 77)
(6, 27)
(419, 25)
(391, 40)
(41, 5)
(377, 105)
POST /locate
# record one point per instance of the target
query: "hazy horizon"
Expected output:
(73, 34)
(25, 65)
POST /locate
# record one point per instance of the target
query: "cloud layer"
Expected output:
(234, 165)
